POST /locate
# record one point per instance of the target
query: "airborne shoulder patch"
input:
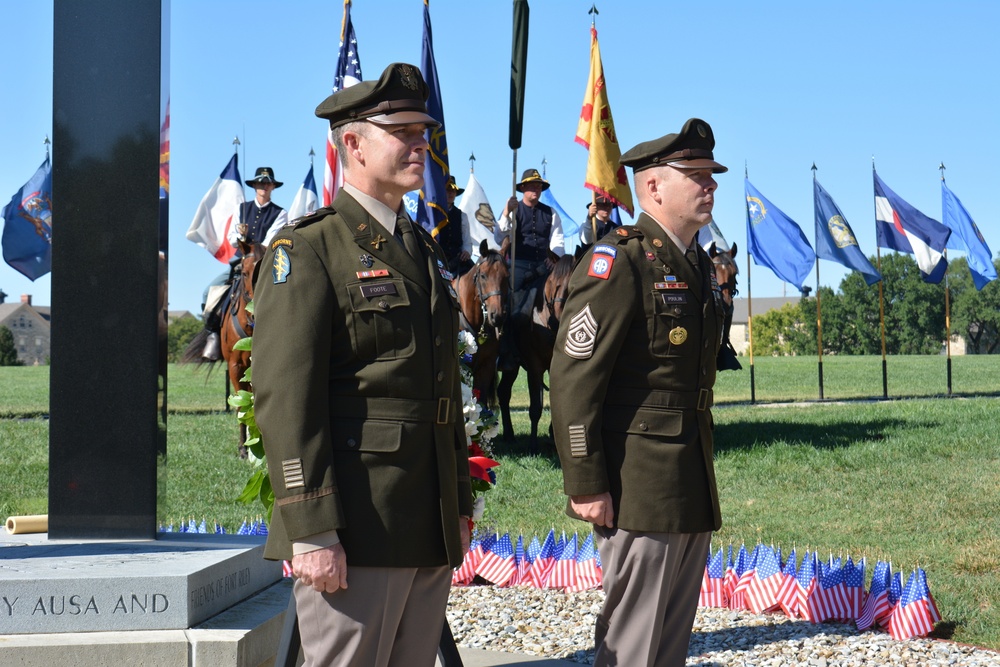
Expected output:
(282, 265)
(582, 335)
(277, 243)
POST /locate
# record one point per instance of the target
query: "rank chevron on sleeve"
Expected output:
(581, 335)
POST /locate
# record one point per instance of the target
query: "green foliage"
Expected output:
(179, 334)
(974, 314)
(8, 352)
(781, 332)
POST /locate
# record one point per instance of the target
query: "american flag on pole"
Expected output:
(497, 566)
(895, 592)
(876, 606)
(916, 613)
(822, 601)
(467, 570)
(730, 578)
(541, 567)
(761, 594)
(788, 593)
(744, 572)
(854, 588)
(521, 563)
(588, 567)
(564, 571)
(713, 589)
(807, 585)
(348, 73)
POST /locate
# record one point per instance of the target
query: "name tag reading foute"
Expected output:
(377, 289)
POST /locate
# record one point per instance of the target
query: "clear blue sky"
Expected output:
(783, 84)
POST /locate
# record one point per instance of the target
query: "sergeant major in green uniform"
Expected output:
(358, 396)
(631, 378)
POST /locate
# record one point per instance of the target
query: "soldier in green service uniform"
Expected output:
(355, 369)
(631, 378)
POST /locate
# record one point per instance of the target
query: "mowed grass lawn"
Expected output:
(912, 481)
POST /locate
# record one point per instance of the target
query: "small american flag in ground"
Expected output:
(788, 593)
(877, 604)
(744, 573)
(521, 564)
(913, 616)
(564, 571)
(763, 589)
(895, 592)
(588, 572)
(541, 567)
(854, 588)
(497, 565)
(807, 585)
(713, 586)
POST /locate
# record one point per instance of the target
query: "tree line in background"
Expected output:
(914, 315)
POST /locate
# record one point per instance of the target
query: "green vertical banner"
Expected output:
(518, 70)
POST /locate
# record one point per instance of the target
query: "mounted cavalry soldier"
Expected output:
(454, 237)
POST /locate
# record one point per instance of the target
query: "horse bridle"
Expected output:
(240, 284)
(729, 284)
(482, 297)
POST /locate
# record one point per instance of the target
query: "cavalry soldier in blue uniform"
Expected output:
(598, 223)
(535, 231)
(454, 237)
(358, 395)
(261, 216)
(632, 376)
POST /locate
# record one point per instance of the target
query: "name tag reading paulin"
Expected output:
(377, 289)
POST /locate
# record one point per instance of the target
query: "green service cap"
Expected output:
(691, 148)
(399, 97)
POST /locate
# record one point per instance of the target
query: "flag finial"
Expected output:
(47, 144)
(472, 163)
(593, 13)
(312, 154)
(544, 163)
(942, 168)
(236, 144)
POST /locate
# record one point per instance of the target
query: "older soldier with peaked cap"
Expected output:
(355, 363)
(631, 377)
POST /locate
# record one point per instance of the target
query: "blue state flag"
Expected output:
(775, 240)
(570, 228)
(901, 227)
(433, 215)
(965, 236)
(27, 230)
(835, 239)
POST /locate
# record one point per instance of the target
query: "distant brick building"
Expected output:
(31, 327)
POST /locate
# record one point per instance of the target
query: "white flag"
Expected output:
(482, 221)
(218, 212)
(306, 199)
(710, 234)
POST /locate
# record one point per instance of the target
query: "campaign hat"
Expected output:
(531, 176)
(264, 175)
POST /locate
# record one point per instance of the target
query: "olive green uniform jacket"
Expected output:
(357, 391)
(631, 381)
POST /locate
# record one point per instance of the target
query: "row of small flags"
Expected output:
(818, 591)
(253, 527)
(758, 581)
(554, 563)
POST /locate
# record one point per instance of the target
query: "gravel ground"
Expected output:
(561, 625)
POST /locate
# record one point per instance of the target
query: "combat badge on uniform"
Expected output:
(602, 261)
(282, 265)
(581, 335)
(678, 335)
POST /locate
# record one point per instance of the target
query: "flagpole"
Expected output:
(819, 311)
(593, 194)
(753, 385)
(947, 306)
(881, 296)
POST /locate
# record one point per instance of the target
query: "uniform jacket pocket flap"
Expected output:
(644, 421)
(366, 435)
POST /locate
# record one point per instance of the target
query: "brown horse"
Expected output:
(726, 271)
(237, 321)
(535, 342)
(482, 298)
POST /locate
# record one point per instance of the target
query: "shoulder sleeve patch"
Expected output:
(282, 266)
(582, 335)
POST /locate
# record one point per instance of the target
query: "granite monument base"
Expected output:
(245, 635)
(172, 583)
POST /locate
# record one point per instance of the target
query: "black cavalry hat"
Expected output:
(264, 175)
(531, 176)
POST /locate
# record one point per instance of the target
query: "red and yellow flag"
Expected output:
(596, 133)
